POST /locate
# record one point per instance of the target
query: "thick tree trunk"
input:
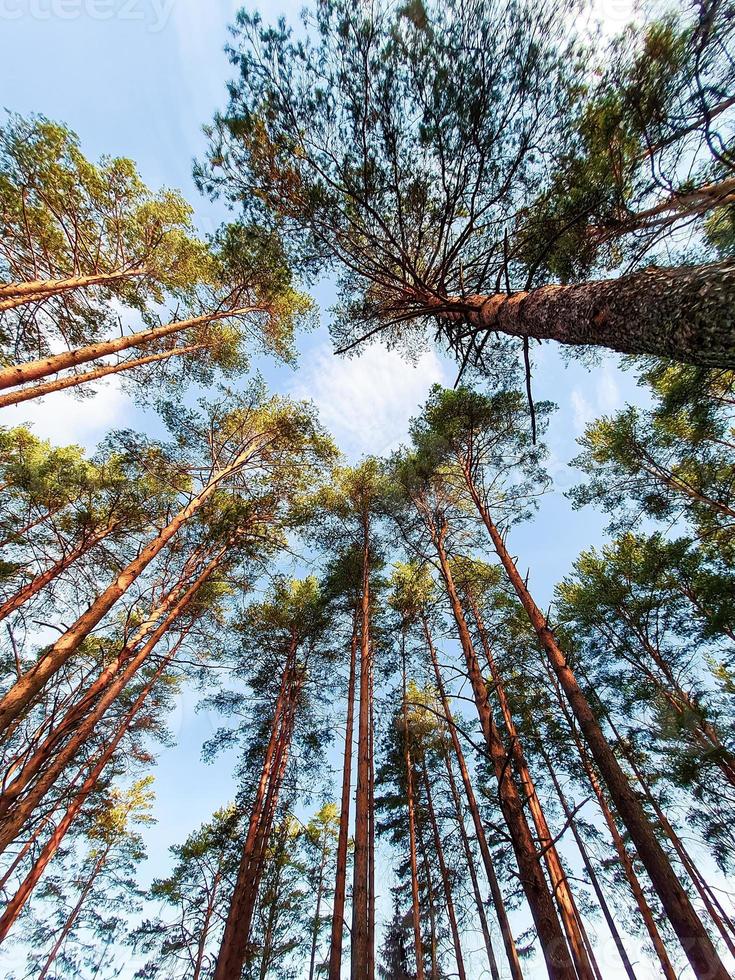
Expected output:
(589, 868)
(19, 374)
(686, 313)
(340, 888)
(568, 912)
(21, 694)
(497, 895)
(693, 937)
(14, 294)
(551, 937)
(371, 825)
(40, 581)
(360, 953)
(469, 859)
(16, 904)
(448, 898)
(74, 380)
(411, 806)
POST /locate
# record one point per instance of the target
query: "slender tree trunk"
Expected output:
(626, 862)
(538, 896)
(684, 312)
(471, 869)
(360, 954)
(340, 888)
(411, 806)
(591, 873)
(429, 903)
(22, 811)
(40, 581)
(72, 722)
(568, 912)
(497, 896)
(204, 931)
(74, 914)
(19, 374)
(719, 917)
(22, 693)
(445, 877)
(16, 904)
(317, 912)
(371, 826)
(233, 949)
(693, 937)
(74, 380)
(14, 294)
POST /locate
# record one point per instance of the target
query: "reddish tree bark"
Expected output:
(497, 896)
(19, 374)
(13, 294)
(693, 937)
(411, 806)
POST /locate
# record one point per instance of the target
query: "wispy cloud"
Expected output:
(67, 420)
(366, 402)
(605, 398)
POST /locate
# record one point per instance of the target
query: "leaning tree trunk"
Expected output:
(74, 380)
(591, 873)
(551, 937)
(686, 313)
(21, 694)
(469, 860)
(360, 953)
(497, 896)
(13, 294)
(693, 936)
(576, 933)
(448, 898)
(340, 888)
(19, 374)
(18, 901)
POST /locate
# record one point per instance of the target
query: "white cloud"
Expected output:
(67, 420)
(366, 402)
(609, 398)
(583, 411)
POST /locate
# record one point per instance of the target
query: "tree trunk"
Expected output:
(14, 294)
(371, 826)
(22, 693)
(360, 954)
(317, 911)
(538, 896)
(14, 822)
(592, 875)
(40, 581)
(429, 902)
(497, 895)
(693, 937)
(204, 931)
(72, 721)
(411, 806)
(19, 374)
(74, 380)
(626, 862)
(445, 877)
(73, 915)
(568, 912)
(716, 912)
(479, 905)
(340, 887)
(16, 904)
(233, 949)
(685, 313)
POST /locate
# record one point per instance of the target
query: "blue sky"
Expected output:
(138, 78)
